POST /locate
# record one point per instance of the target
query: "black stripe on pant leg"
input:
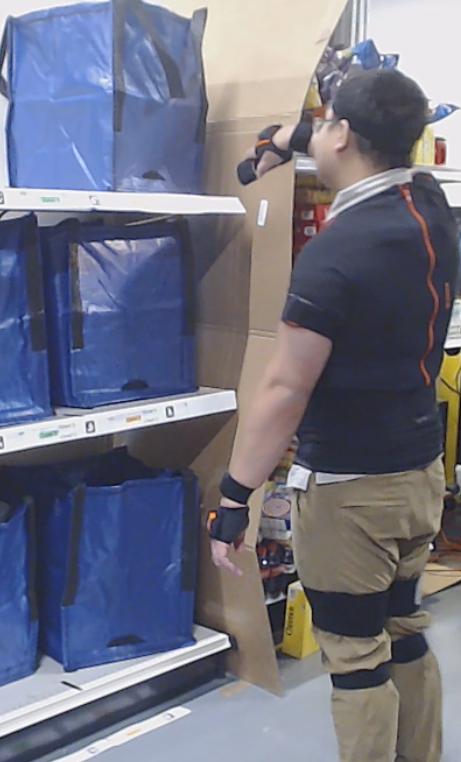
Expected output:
(355, 616)
(402, 598)
(363, 678)
(407, 650)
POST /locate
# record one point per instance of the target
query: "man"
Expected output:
(358, 352)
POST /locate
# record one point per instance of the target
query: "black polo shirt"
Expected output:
(379, 282)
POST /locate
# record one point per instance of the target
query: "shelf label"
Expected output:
(122, 420)
(27, 436)
(50, 199)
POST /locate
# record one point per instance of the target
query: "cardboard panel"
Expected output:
(220, 357)
(235, 605)
(272, 249)
(438, 578)
(259, 60)
(259, 55)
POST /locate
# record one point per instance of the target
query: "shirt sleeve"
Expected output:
(319, 294)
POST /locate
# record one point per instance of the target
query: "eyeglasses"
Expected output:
(319, 121)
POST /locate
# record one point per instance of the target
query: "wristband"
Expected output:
(302, 136)
(233, 490)
(228, 524)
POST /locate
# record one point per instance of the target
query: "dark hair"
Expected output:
(387, 111)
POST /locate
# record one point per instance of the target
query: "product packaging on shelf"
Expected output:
(424, 150)
(298, 638)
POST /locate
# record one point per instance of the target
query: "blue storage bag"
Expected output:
(18, 605)
(24, 384)
(105, 96)
(117, 554)
(120, 308)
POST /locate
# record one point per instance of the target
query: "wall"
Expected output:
(426, 34)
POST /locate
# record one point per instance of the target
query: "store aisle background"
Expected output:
(241, 722)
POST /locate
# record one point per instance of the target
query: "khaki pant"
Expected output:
(359, 547)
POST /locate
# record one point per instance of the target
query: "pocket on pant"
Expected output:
(436, 477)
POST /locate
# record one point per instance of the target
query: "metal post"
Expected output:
(359, 20)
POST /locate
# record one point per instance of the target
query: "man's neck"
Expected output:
(357, 173)
(369, 186)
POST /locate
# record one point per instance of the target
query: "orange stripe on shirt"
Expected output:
(406, 193)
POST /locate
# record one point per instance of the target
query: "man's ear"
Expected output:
(344, 136)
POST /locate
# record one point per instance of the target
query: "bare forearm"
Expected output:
(266, 433)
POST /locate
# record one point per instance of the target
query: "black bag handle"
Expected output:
(190, 533)
(171, 69)
(74, 274)
(72, 572)
(189, 276)
(4, 89)
(198, 25)
(32, 559)
(34, 284)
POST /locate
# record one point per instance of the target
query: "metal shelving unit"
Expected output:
(71, 424)
(25, 200)
(50, 691)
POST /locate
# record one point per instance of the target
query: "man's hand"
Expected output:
(220, 555)
(226, 527)
(269, 159)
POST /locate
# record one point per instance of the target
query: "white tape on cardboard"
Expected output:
(263, 212)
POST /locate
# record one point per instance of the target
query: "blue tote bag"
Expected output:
(120, 308)
(24, 384)
(115, 93)
(18, 606)
(117, 555)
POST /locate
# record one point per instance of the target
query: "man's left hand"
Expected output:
(220, 555)
(226, 527)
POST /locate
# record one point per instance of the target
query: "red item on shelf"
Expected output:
(321, 212)
(440, 151)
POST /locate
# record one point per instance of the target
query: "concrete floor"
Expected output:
(241, 722)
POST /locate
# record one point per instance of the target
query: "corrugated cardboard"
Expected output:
(259, 60)
(259, 54)
(438, 578)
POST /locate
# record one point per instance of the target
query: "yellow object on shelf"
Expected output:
(298, 638)
(424, 150)
(448, 391)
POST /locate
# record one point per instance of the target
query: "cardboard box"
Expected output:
(298, 638)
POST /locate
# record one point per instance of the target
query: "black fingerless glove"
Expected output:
(228, 524)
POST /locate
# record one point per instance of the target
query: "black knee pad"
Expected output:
(355, 616)
(410, 649)
(363, 678)
(402, 598)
